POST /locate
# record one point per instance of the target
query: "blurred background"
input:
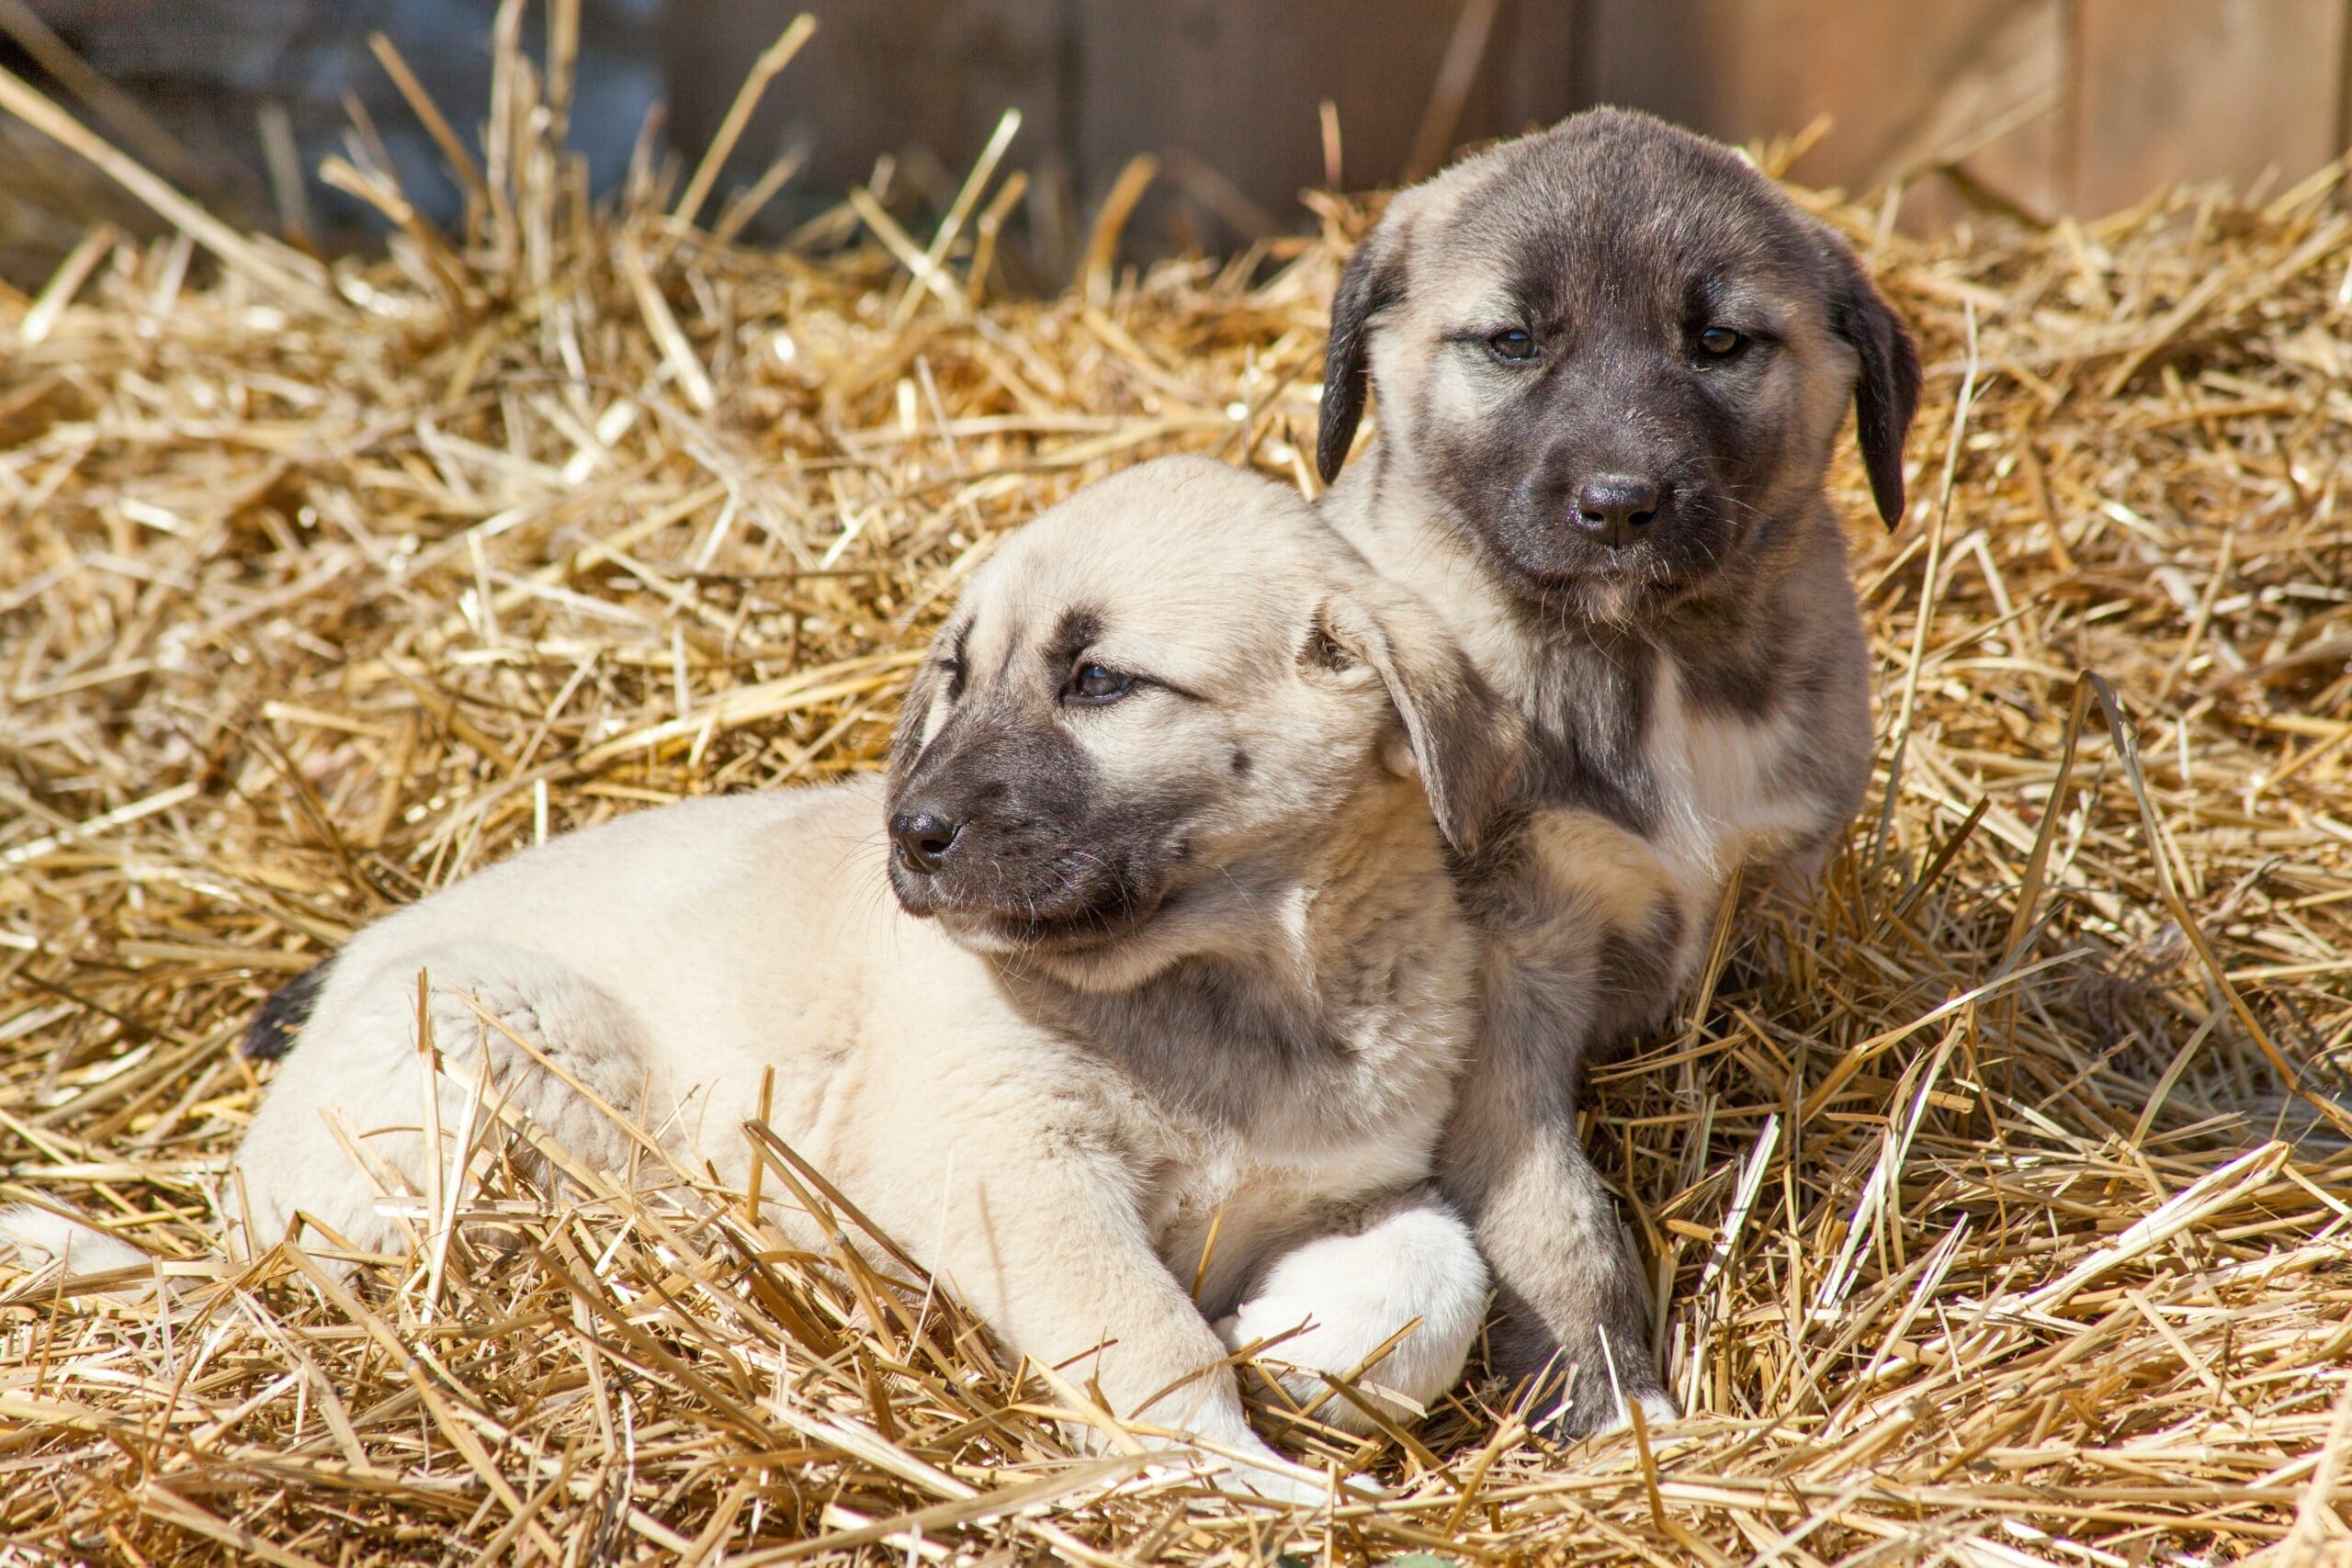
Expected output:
(2028, 108)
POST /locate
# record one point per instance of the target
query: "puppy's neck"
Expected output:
(1327, 967)
(1381, 855)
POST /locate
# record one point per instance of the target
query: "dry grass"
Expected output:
(2000, 1204)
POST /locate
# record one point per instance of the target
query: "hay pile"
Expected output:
(2000, 1206)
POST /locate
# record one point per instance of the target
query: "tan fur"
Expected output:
(1691, 666)
(1048, 1130)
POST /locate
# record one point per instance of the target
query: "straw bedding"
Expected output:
(1999, 1199)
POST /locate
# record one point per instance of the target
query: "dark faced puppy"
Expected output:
(1617, 356)
(1611, 363)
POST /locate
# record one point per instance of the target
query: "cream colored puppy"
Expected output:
(1172, 937)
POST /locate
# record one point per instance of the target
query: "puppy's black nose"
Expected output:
(923, 839)
(1614, 508)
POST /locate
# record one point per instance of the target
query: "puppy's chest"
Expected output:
(1258, 1166)
(1339, 1133)
(1720, 783)
(1704, 788)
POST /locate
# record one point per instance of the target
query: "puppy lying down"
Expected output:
(1171, 940)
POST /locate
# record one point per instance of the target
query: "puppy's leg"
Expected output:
(1051, 1251)
(1575, 1318)
(357, 1066)
(1412, 1269)
(1575, 1315)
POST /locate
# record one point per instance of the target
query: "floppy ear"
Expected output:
(1466, 742)
(1374, 280)
(1887, 390)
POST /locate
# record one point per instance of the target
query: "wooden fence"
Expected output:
(2045, 105)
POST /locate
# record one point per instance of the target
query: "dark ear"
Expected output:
(1466, 742)
(1374, 280)
(1887, 390)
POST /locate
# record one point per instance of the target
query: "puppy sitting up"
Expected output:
(1172, 940)
(1611, 362)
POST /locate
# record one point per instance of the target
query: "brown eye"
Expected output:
(1721, 342)
(1513, 343)
(1096, 684)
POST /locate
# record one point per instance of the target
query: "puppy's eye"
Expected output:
(1721, 342)
(1095, 684)
(1513, 343)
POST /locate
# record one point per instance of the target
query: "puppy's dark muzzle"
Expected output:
(1000, 832)
(1581, 523)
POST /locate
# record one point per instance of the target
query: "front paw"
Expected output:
(1568, 1397)
(1569, 1420)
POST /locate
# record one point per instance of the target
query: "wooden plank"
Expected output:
(2054, 105)
(905, 77)
(2201, 90)
(1903, 85)
(1996, 127)
(1541, 65)
(1233, 85)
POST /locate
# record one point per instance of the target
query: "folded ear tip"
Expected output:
(1333, 440)
(1888, 492)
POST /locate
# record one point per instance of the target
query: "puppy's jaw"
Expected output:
(1201, 912)
(1176, 931)
(1072, 931)
(1245, 911)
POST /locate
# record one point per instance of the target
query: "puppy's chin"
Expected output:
(1118, 942)
(1619, 593)
(1090, 953)
(1109, 966)
(1580, 580)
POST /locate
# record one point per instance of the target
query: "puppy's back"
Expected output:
(661, 958)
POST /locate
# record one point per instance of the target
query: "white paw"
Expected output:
(1657, 1412)
(1392, 1309)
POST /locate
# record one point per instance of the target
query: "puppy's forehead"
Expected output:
(1610, 206)
(1182, 564)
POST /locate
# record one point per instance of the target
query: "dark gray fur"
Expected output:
(1614, 241)
(275, 1027)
